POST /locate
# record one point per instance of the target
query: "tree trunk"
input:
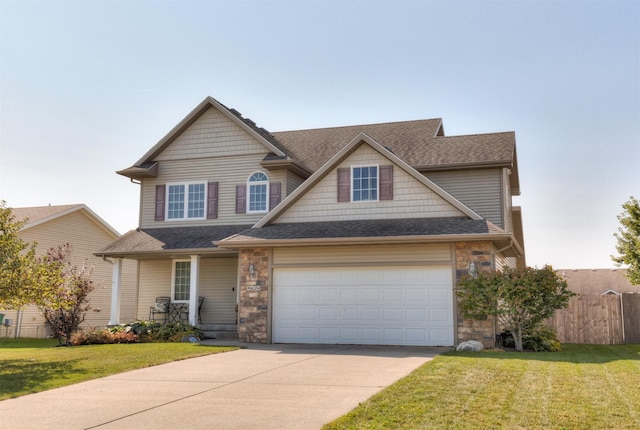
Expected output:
(517, 337)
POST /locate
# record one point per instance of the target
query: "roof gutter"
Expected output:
(251, 243)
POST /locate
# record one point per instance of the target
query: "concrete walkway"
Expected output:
(259, 387)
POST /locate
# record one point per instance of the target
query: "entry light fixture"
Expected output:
(252, 271)
(473, 270)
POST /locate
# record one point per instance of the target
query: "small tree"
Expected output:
(66, 302)
(520, 299)
(17, 263)
(629, 240)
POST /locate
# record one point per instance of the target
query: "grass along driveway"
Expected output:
(33, 365)
(580, 387)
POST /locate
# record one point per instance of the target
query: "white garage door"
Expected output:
(371, 305)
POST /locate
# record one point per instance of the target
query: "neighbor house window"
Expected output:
(258, 195)
(186, 201)
(364, 183)
(181, 281)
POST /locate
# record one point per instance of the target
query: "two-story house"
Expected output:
(350, 234)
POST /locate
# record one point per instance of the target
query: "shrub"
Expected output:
(104, 336)
(139, 331)
(541, 339)
(175, 332)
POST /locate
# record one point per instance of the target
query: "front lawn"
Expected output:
(32, 365)
(580, 387)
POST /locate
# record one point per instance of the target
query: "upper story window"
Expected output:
(364, 183)
(186, 201)
(258, 195)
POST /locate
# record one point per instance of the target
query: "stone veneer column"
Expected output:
(254, 295)
(480, 254)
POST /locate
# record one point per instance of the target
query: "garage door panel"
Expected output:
(417, 315)
(371, 314)
(382, 305)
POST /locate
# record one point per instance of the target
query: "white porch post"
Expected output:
(116, 291)
(193, 289)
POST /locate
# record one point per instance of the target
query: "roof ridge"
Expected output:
(475, 134)
(357, 125)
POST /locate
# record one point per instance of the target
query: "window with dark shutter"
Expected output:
(160, 196)
(212, 200)
(241, 199)
(344, 184)
(386, 182)
(274, 194)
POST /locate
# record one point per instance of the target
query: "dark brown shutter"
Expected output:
(160, 196)
(241, 199)
(386, 182)
(344, 184)
(274, 194)
(212, 200)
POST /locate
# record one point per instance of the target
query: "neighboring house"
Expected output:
(350, 234)
(53, 226)
(592, 282)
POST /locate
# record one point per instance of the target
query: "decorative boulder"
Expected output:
(470, 345)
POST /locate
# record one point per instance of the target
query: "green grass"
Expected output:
(33, 365)
(580, 387)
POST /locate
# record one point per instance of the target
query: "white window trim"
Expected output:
(173, 279)
(377, 199)
(267, 183)
(186, 201)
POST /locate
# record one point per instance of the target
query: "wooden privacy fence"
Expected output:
(608, 319)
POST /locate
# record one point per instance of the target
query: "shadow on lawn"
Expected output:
(20, 376)
(570, 353)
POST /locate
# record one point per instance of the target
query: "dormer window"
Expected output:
(365, 183)
(258, 195)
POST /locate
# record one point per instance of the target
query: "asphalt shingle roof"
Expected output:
(370, 228)
(175, 238)
(413, 141)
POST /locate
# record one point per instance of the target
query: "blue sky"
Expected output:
(86, 88)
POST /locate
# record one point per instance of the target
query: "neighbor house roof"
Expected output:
(597, 281)
(37, 215)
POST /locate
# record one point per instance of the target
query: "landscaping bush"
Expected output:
(102, 337)
(175, 332)
(542, 339)
(139, 331)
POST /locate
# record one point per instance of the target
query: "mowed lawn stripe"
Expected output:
(581, 387)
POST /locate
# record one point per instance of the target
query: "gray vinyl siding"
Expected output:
(293, 182)
(227, 171)
(506, 199)
(480, 190)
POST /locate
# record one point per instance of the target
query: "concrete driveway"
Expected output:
(259, 387)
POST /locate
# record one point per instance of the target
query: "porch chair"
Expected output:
(200, 302)
(160, 307)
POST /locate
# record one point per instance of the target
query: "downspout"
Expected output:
(493, 259)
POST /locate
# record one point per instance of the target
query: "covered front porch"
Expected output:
(168, 268)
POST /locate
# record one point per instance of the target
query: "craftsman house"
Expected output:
(79, 226)
(349, 235)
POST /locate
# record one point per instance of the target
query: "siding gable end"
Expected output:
(404, 196)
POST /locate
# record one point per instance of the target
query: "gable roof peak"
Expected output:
(259, 133)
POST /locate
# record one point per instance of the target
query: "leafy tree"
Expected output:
(629, 240)
(65, 301)
(17, 263)
(521, 299)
